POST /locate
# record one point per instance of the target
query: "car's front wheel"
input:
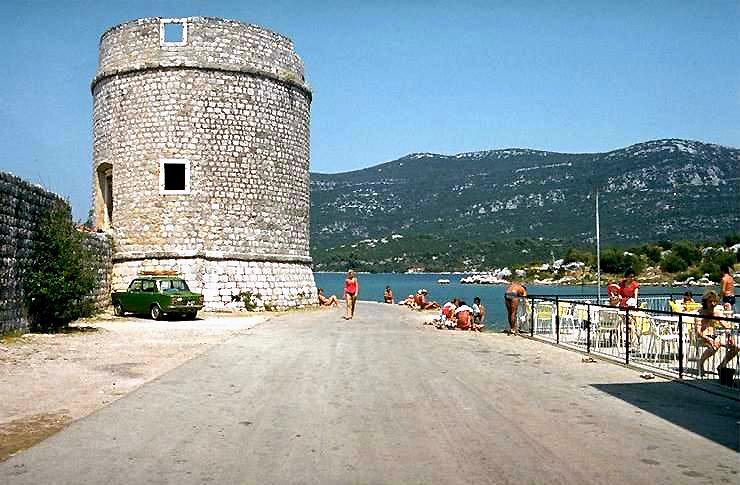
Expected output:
(118, 309)
(155, 312)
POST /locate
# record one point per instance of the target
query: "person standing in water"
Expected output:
(388, 295)
(513, 292)
(351, 291)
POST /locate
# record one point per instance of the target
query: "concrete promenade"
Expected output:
(309, 398)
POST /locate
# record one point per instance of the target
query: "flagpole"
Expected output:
(598, 250)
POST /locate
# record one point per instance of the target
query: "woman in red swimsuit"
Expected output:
(628, 288)
(351, 290)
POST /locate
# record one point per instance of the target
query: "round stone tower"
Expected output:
(200, 154)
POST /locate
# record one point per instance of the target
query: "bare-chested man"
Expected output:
(727, 287)
(511, 298)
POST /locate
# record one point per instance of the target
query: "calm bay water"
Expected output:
(492, 296)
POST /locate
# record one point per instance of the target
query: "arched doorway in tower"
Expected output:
(104, 197)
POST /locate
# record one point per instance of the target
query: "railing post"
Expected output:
(557, 320)
(531, 318)
(680, 346)
(588, 328)
(627, 336)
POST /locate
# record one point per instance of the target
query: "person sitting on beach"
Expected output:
(464, 316)
(706, 329)
(388, 295)
(409, 301)
(324, 301)
(628, 289)
(688, 304)
(418, 300)
(479, 313)
(444, 319)
(425, 304)
(514, 292)
(612, 291)
(447, 314)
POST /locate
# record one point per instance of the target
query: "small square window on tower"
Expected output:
(173, 32)
(174, 176)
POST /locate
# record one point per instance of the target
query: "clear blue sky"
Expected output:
(396, 77)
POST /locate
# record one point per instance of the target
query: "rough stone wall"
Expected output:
(101, 249)
(231, 102)
(22, 206)
(216, 43)
(247, 143)
(279, 285)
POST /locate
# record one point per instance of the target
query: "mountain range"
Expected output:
(522, 202)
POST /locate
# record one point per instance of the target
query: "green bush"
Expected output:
(672, 263)
(248, 298)
(59, 276)
(576, 255)
(687, 251)
(714, 261)
(613, 260)
(732, 239)
(651, 252)
(694, 273)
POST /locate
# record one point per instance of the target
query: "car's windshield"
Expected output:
(173, 285)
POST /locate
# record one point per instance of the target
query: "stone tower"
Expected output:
(200, 157)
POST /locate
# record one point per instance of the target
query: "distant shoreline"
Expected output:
(526, 281)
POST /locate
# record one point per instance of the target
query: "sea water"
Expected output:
(492, 296)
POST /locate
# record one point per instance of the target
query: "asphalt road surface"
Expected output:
(310, 398)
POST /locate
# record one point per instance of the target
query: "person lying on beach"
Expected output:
(324, 301)
(408, 301)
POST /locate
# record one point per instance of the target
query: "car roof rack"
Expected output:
(159, 272)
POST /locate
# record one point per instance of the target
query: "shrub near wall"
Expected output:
(60, 276)
(22, 209)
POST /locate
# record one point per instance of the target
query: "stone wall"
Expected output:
(278, 285)
(230, 103)
(220, 44)
(246, 140)
(100, 246)
(22, 206)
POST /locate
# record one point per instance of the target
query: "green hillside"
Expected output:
(487, 209)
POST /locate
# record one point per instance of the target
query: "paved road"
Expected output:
(310, 398)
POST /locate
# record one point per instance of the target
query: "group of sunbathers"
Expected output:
(419, 301)
(457, 315)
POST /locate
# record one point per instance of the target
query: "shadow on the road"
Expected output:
(713, 417)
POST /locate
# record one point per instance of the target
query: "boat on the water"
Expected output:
(483, 279)
(443, 281)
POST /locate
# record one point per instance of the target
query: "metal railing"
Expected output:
(678, 343)
(651, 301)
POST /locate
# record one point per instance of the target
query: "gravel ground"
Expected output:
(49, 380)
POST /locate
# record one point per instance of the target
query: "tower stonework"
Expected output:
(200, 154)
